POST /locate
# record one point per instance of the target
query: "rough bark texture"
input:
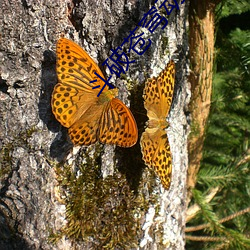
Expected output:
(37, 158)
(201, 40)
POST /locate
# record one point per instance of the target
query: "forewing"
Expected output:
(69, 103)
(75, 68)
(73, 95)
(158, 92)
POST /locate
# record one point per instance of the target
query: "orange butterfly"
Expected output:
(76, 105)
(158, 93)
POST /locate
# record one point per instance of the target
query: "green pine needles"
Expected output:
(223, 222)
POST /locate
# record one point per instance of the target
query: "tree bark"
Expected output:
(201, 40)
(54, 195)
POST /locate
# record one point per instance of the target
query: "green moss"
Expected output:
(105, 212)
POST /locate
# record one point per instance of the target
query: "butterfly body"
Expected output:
(158, 93)
(157, 123)
(107, 95)
(76, 106)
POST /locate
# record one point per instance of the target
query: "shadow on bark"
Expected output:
(61, 145)
(9, 239)
(130, 159)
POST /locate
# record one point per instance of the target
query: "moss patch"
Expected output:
(103, 212)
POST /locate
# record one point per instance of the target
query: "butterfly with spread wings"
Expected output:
(76, 106)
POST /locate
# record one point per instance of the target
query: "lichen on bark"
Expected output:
(36, 148)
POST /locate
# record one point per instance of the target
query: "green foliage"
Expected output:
(226, 153)
(230, 7)
(218, 176)
(207, 211)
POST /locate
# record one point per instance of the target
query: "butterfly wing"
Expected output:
(156, 154)
(85, 130)
(77, 107)
(70, 103)
(158, 93)
(75, 67)
(73, 95)
(117, 125)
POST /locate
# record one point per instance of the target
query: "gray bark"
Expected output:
(34, 147)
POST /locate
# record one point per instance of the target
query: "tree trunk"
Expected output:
(54, 195)
(201, 40)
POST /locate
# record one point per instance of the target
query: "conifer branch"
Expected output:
(230, 217)
(205, 238)
(245, 159)
(194, 209)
